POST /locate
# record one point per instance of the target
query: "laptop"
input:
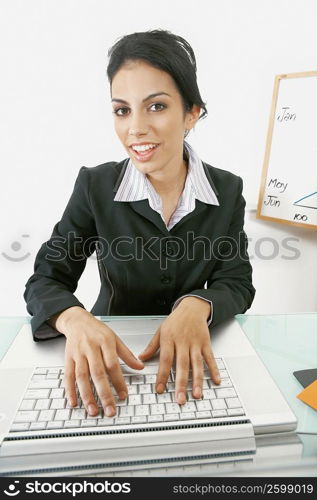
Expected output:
(39, 433)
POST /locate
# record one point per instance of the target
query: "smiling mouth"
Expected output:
(143, 152)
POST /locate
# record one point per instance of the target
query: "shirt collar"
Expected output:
(134, 185)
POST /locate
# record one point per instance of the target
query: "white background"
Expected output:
(55, 117)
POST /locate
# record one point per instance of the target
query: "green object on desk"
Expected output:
(284, 342)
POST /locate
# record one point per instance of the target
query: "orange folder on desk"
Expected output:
(309, 395)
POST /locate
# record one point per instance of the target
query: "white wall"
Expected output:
(55, 117)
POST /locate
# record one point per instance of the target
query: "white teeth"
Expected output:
(144, 147)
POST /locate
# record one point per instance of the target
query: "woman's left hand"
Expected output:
(184, 334)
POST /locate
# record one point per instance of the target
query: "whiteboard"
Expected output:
(288, 192)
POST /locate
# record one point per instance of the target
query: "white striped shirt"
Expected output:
(136, 186)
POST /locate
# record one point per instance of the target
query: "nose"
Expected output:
(137, 126)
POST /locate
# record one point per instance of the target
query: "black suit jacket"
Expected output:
(144, 268)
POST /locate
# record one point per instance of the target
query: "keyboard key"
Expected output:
(223, 373)
(78, 414)
(145, 388)
(132, 389)
(58, 404)
(225, 393)
(225, 382)
(134, 399)
(57, 393)
(171, 387)
(52, 375)
(212, 385)
(137, 379)
(232, 412)
(218, 404)
(88, 423)
(165, 397)
(42, 404)
(62, 414)
(149, 399)
(40, 371)
(122, 420)
(127, 411)
(157, 409)
(46, 415)
(44, 384)
(37, 394)
(172, 408)
(209, 394)
(27, 404)
(203, 405)
(26, 416)
(71, 423)
(188, 407)
(233, 403)
(187, 416)
(57, 424)
(138, 420)
(170, 417)
(142, 410)
(155, 418)
(219, 413)
(150, 379)
(20, 427)
(38, 377)
(123, 402)
(53, 370)
(105, 421)
(37, 426)
(203, 414)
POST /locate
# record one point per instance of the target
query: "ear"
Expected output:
(192, 117)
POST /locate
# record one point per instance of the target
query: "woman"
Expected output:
(163, 224)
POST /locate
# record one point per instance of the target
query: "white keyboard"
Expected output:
(44, 406)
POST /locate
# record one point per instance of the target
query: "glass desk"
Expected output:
(285, 343)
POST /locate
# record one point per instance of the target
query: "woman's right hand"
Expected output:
(92, 350)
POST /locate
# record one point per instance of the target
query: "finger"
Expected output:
(182, 369)
(84, 386)
(127, 356)
(101, 382)
(197, 362)
(166, 361)
(114, 372)
(211, 363)
(152, 346)
(69, 381)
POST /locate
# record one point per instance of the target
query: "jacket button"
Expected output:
(165, 279)
(169, 250)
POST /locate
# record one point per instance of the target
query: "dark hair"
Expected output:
(166, 51)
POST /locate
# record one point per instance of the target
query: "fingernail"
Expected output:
(109, 411)
(91, 409)
(197, 392)
(218, 379)
(122, 395)
(160, 388)
(181, 398)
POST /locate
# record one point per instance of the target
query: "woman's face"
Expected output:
(149, 116)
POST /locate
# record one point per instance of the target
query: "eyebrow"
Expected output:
(144, 100)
